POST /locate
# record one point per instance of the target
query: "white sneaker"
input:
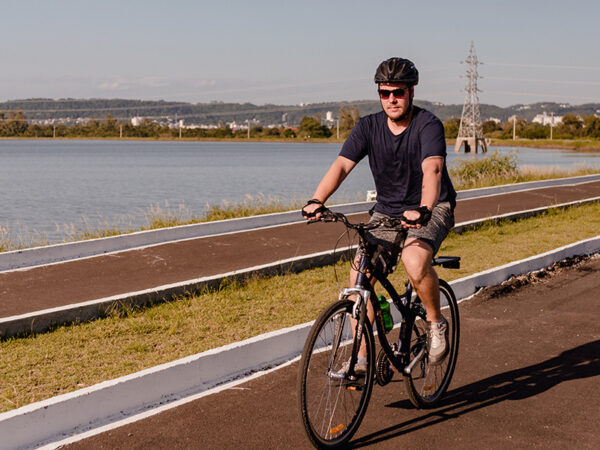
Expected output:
(360, 368)
(437, 341)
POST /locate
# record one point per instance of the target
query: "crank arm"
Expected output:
(408, 369)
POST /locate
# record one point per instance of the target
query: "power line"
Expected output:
(531, 94)
(545, 66)
(537, 80)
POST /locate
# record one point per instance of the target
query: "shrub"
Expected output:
(488, 170)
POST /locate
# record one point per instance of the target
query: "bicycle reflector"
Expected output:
(337, 429)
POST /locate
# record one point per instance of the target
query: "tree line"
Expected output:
(571, 127)
(15, 124)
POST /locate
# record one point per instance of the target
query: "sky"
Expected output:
(280, 52)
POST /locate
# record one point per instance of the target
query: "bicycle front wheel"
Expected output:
(333, 403)
(427, 383)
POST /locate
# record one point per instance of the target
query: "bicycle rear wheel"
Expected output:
(428, 383)
(333, 405)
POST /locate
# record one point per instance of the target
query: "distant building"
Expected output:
(546, 119)
(137, 121)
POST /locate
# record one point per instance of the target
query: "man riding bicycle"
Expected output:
(406, 149)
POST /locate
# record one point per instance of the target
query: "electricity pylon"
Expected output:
(470, 132)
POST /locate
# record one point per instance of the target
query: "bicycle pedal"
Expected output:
(354, 387)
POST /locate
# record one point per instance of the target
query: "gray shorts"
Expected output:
(388, 242)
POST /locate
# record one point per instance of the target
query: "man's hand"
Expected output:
(420, 217)
(312, 210)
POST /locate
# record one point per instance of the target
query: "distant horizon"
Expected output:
(72, 99)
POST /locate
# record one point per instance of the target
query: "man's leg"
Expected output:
(417, 257)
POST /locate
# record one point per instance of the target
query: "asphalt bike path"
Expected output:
(67, 283)
(527, 376)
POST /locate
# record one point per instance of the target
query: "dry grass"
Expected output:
(23, 239)
(76, 356)
(250, 206)
(494, 170)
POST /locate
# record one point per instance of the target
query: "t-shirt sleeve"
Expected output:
(355, 147)
(433, 140)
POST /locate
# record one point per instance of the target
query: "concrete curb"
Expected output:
(53, 420)
(53, 254)
(41, 321)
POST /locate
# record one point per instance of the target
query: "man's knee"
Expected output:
(417, 257)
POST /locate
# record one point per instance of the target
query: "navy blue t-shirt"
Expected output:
(395, 161)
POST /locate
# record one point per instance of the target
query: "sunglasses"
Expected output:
(398, 93)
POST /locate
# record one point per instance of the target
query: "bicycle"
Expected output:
(333, 400)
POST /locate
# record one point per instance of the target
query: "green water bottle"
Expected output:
(388, 322)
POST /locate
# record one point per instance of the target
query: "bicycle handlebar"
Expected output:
(328, 215)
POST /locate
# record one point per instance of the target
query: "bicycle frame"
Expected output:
(363, 294)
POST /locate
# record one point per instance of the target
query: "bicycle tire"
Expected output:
(427, 383)
(332, 409)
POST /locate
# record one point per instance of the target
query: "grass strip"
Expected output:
(75, 356)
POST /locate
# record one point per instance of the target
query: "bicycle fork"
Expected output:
(359, 313)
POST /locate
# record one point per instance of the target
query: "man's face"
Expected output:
(394, 102)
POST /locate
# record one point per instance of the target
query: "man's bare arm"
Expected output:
(430, 189)
(338, 171)
(432, 180)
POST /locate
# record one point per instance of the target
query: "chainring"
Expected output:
(383, 369)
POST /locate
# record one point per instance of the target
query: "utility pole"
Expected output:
(338, 127)
(53, 130)
(514, 127)
(121, 131)
(470, 132)
(248, 122)
(551, 125)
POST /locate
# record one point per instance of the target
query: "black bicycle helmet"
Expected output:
(397, 70)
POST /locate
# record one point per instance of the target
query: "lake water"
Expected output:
(47, 184)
